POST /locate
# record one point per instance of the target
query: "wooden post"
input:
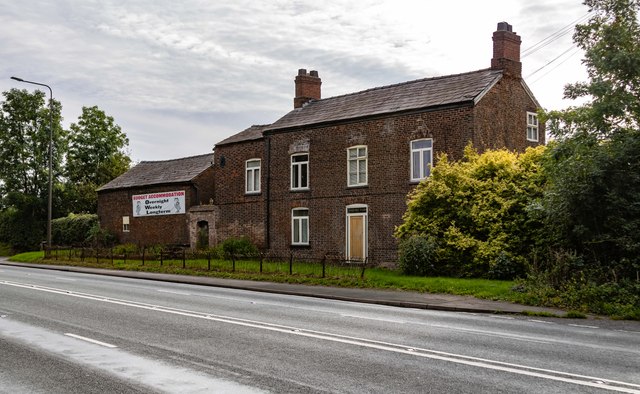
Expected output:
(291, 263)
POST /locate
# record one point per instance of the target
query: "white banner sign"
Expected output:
(156, 204)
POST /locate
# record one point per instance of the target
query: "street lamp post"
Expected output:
(49, 203)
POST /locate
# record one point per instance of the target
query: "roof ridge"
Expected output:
(404, 83)
(176, 159)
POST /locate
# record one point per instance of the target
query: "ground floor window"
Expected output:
(300, 226)
(125, 224)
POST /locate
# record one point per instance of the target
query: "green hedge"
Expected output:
(73, 229)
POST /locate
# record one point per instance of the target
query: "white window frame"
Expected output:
(252, 176)
(302, 222)
(424, 171)
(296, 181)
(532, 127)
(126, 227)
(358, 159)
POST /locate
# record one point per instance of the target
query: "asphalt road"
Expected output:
(70, 332)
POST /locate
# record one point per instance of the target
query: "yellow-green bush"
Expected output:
(477, 211)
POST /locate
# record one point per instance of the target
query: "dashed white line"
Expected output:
(173, 292)
(91, 340)
(582, 326)
(566, 377)
(541, 321)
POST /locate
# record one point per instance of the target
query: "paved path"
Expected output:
(406, 299)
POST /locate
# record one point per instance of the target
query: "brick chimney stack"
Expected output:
(307, 87)
(506, 51)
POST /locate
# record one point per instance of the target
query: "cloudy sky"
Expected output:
(179, 76)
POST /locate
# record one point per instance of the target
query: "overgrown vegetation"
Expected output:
(73, 229)
(470, 218)
(89, 154)
(569, 224)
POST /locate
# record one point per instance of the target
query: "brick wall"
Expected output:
(388, 149)
(501, 117)
(148, 230)
(240, 214)
(153, 230)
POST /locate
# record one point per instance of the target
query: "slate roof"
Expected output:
(252, 133)
(148, 173)
(412, 95)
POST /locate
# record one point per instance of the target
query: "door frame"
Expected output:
(361, 210)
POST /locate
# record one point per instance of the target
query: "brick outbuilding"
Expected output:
(151, 203)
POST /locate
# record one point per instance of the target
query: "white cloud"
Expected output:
(194, 72)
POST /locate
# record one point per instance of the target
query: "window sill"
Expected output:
(252, 193)
(300, 246)
(357, 186)
(306, 189)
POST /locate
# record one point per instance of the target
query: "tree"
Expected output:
(97, 148)
(24, 144)
(611, 41)
(593, 199)
(96, 155)
(24, 133)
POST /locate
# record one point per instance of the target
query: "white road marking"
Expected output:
(582, 326)
(541, 321)
(566, 377)
(91, 340)
(375, 318)
(173, 292)
(61, 278)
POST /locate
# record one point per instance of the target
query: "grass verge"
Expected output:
(310, 274)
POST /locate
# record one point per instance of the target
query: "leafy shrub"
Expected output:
(479, 211)
(99, 237)
(417, 256)
(125, 248)
(238, 246)
(73, 229)
(21, 227)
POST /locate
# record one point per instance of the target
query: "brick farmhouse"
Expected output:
(332, 175)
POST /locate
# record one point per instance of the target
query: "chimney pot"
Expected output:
(313, 73)
(504, 26)
(302, 71)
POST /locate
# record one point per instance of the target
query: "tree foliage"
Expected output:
(96, 149)
(476, 211)
(88, 155)
(592, 204)
(24, 133)
(96, 155)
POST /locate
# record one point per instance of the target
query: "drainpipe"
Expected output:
(267, 204)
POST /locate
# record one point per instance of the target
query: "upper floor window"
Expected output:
(300, 171)
(252, 171)
(421, 158)
(300, 226)
(357, 159)
(532, 126)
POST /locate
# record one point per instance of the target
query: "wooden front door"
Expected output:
(357, 233)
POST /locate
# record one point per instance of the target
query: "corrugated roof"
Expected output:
(160, 172)
(418, 94)
(252, 133)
